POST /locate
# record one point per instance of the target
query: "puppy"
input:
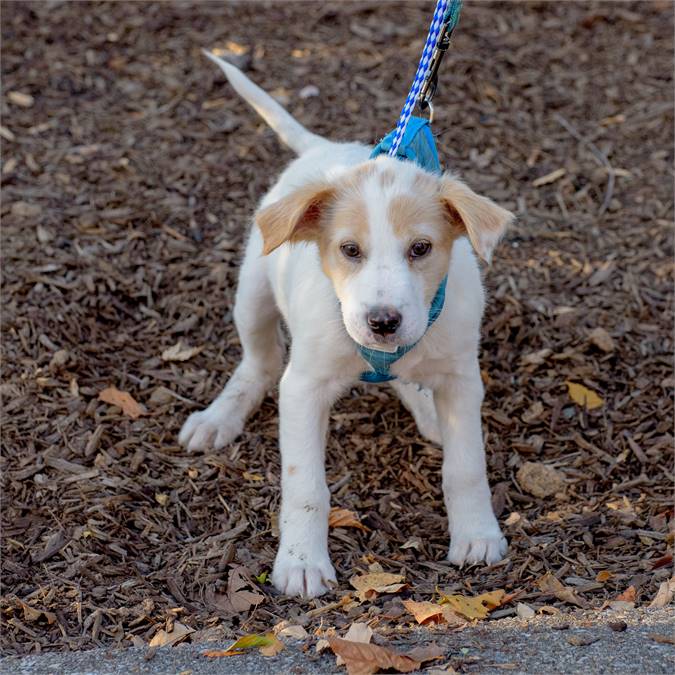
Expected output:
(350, 252)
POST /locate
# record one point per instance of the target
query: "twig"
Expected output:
(599, 156)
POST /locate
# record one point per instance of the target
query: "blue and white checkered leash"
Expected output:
(412, 140)
(446, 14)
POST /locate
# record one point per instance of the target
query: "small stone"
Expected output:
(161, 396)
(618, 626)
(582, 640)
(59, 359)
(26, 210)
(540, 479)
(602, 339)
(524, 611)
(309, 91)
(21, 99)
(44, 236)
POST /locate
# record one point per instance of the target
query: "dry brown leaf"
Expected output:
(345, 518)
(365, 659)
(628, 595)
(290, 630)
(550, 585)
(238, 597)
(664, 595)
(372, 584)
(179, 352)
(603, 575)
(178, 633)
(540, 480)
(123, 400)
(32, 614)
(431, 612)
(584, 396)
(477, 607)
(358, 632)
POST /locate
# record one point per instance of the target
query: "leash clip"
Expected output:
(430, 85)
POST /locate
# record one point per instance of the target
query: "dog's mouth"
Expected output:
(383, 343)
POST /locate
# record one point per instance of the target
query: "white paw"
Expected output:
(208, 429)
(307, 578)
(477, 545)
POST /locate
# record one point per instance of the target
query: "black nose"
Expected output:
(383, 320)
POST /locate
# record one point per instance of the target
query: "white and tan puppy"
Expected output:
(349, 250)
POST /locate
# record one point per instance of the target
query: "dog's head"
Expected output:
(385, 232)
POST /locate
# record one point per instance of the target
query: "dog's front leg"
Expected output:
(474, 532)
(303, 566)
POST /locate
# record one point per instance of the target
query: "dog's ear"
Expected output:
(295, 217)
(478, 217)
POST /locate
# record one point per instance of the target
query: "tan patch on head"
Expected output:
(421, 215)
(348, 221)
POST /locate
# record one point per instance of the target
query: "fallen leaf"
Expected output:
(179, 352)
(292, 631)
(32, 614)
(358, 632)
(628, 595)
(20, 99)
(603, 576)
(345, 518)
(550, 585)
(178, 633)
(477, 607)
(365, 659)
(431, 612)
(123, 400)
(664, 596)
(663, 639)
(267, 643)
(370, 585)
(602, 339)
(540, 480)
(238, 597)
(583, 396)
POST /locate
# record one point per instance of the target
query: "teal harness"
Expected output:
(413, 141)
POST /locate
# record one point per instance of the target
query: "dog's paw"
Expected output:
(307, 579)
(208, 429)
(475, 546)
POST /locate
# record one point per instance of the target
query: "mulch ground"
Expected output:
(130, 172)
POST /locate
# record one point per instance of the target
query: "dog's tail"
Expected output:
(289, 130)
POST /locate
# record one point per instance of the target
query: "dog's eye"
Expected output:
(420, 248)
(351, 250)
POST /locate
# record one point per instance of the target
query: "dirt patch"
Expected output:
(130, 171)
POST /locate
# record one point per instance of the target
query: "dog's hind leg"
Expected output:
(420, 402)
(258, 324)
